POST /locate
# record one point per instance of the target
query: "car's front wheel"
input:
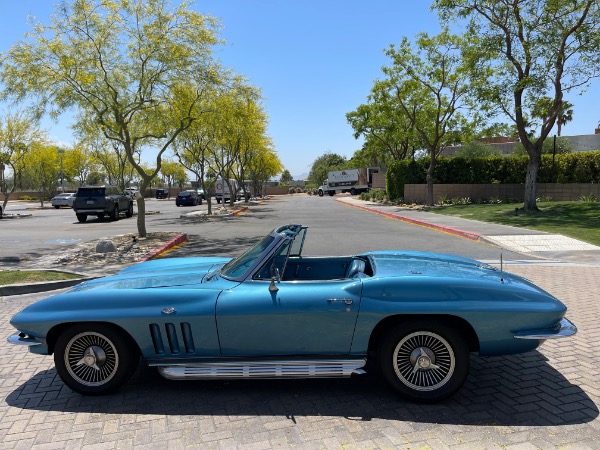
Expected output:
(129, 212)
(94, 359)
(425, 361)
(57, 207)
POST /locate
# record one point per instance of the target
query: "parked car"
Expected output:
(65, 199)
(162, 193)
(0, 211)
(102, 201)
(273, 313)
(132, 192)
(188, 198)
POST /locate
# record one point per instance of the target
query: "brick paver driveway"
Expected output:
(543, 399)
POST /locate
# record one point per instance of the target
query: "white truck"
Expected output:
(354, 181)
(222, 192)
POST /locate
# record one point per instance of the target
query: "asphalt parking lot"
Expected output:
(543, 399)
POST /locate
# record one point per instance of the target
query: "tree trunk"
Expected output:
(141, 204)
(430, 170)
(533, 166)
(141, 218)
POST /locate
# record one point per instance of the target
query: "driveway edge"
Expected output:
(442, 228)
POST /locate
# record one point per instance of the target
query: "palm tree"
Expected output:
(565, 115)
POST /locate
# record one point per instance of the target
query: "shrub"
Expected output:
(589, 198)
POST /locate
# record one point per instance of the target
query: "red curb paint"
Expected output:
(422, 223)
(177, 240)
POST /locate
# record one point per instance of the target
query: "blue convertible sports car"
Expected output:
(272, 313)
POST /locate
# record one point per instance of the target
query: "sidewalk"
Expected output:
(521, 240)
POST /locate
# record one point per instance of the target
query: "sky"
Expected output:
(314, 61)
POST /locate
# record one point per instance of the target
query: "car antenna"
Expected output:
(501, 269)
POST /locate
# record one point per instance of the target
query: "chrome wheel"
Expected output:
(424, 361)
(91, 359)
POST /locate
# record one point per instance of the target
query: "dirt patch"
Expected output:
(84, 258)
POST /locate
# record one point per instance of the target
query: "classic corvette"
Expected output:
(272, 313)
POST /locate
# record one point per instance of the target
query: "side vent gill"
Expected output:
(178, 337)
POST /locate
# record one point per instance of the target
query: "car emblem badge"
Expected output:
(168, 310)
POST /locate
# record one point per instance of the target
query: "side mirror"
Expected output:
(272, 287)
(276, 277)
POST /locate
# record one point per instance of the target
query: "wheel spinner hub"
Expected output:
(422, 358)
(94, 356)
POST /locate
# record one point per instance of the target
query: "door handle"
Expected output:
(346, 301)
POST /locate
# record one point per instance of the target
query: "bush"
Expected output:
(580, 167)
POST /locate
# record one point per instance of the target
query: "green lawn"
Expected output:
(578, 220)
(33, 276)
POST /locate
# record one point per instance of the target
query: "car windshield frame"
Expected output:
(242, 267)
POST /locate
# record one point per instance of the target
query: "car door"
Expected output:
(300, 318)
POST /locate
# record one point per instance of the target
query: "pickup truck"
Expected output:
(102, 201)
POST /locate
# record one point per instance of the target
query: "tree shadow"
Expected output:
(500, 391)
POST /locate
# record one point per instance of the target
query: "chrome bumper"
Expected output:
(21, 339)
(564, 328)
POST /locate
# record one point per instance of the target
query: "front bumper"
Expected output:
(564, 328)
(23, 339)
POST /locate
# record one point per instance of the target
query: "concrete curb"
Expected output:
(31, 288)
(177, 240)
(442, 228)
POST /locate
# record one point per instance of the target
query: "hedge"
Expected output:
(580, 167)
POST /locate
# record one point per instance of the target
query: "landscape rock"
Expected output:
(106, 246)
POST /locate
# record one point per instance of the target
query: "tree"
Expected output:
(429, 84)
(323, 164)
(135, 68)
(19, 131)
(263, 165)
(78, 163)
(173, 173)
(286, 177)
(387, 129)
(194, 148)
(42, 164)
(542, 109)
(524, 50)
(476, 149)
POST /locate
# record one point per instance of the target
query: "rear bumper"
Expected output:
(564, 328)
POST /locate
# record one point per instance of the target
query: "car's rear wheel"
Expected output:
(94, 359)
(81, 217)
(424, 361)
(57, 207)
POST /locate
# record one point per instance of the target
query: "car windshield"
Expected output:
(238, 266)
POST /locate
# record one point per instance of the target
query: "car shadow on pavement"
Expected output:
(500, 391)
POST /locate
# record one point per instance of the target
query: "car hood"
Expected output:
(163, 273)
